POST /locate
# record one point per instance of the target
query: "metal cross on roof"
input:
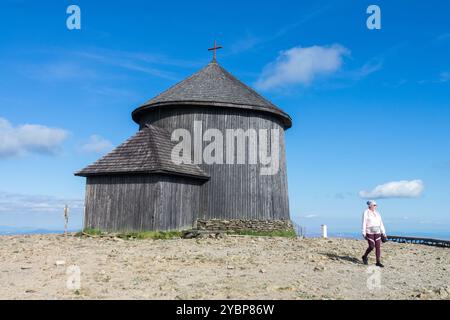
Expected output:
(215, 48)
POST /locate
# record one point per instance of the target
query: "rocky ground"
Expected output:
(39, 267)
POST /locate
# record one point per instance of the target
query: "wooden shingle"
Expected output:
(213, 86)
(149, 151)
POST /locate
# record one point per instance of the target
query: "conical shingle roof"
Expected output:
(213, 86)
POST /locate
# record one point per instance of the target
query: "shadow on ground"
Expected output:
(333, 256)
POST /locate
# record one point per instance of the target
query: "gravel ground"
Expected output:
(233, 267)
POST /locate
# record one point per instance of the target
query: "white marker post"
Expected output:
(324, 231)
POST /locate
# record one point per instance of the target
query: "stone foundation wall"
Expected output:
(241, 224)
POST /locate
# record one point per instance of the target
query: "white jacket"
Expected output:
(372, 223)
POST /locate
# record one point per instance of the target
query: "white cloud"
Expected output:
(248, 42)
(444, 76)
(29, 138)
(96, 144)
(367, 69)
(443, 37)
(25, 203)
(343, 195)
(302, 66)
(58, 71)
(395, 189)
(140, 62)
(94, 64)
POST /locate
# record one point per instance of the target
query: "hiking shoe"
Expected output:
(379, 264)
(365, 260)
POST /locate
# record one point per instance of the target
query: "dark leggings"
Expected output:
(374, 241)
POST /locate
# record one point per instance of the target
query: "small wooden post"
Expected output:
(66, 218)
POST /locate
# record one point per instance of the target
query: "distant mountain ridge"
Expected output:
(8, 230)
(443, 235)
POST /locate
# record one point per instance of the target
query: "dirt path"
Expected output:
(227, 268)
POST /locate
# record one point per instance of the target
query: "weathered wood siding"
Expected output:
(234, 191)
(141, 202)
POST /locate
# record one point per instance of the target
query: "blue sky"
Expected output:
(369, 107)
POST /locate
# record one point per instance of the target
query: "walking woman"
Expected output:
(373, 230)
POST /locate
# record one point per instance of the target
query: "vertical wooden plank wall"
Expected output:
(234, 191)
(141, 202)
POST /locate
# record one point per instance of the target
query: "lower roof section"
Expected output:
(147, 152)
